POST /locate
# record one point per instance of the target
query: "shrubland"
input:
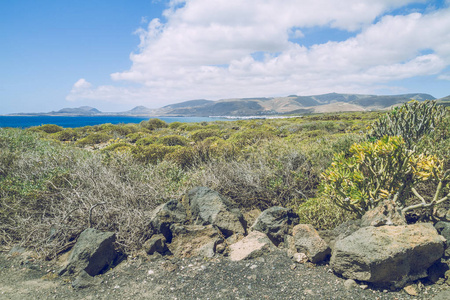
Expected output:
(55, 182)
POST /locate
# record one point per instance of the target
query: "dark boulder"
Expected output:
(206, 206)
(94, 252)
(276, 222)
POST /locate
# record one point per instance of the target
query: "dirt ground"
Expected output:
(273, 276)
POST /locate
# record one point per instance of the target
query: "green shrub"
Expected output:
(153, 124)
(145, 141)
(175, 125)
(173, 140)
(316, 133)
(201, 134)
(47, 128)
(323, 213)
(93, 139)
(123, 129)
(6, 161)
(121, 146)
(134, 137)
(185, 157)
(410, 121)
(190, 127)
(153, 153)
(105, 127)
(321, 150)
(67, 135)
(250, 137)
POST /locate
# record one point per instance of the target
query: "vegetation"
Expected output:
(55, 182)
(410, 121)
(379, 170)
(388, 166)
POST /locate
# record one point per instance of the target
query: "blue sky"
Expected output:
(117, 54)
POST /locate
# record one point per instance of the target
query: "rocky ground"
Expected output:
(201, 248)
(272, 276)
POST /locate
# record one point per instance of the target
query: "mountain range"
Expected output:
(293, 104)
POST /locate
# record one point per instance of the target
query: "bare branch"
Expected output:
(90, 212)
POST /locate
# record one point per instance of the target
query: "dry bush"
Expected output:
(52, 193)
(273, 175)
(114, 197)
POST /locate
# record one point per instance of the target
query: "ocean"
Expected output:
(78, 121)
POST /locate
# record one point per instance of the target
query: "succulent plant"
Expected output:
(410, 121)
(379, 170)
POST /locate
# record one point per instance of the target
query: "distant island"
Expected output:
(241, 107)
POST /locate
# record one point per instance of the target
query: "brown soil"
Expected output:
(273, 276)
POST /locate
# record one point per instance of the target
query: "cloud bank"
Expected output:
(234, 48)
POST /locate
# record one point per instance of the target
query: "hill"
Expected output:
(293, 104)
(83, 110)
(444, 101)
(260, 106)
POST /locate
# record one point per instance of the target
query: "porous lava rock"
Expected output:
(388, 255)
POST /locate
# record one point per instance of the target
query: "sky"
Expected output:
(118, 54)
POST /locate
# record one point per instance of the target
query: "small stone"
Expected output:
(411, 290)
(293, 267)
(150, 272)
(253, 267)
(220, 248)
(364, 286)
(301, 258)
(350, 284)
(156, 243)
(207, 250)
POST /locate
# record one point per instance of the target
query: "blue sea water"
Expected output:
(78, 121)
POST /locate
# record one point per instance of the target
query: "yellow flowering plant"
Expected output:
(374, 171)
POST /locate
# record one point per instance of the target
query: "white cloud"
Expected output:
(206, 48)
(81, 84)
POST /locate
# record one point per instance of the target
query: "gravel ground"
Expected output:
(273, 276)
